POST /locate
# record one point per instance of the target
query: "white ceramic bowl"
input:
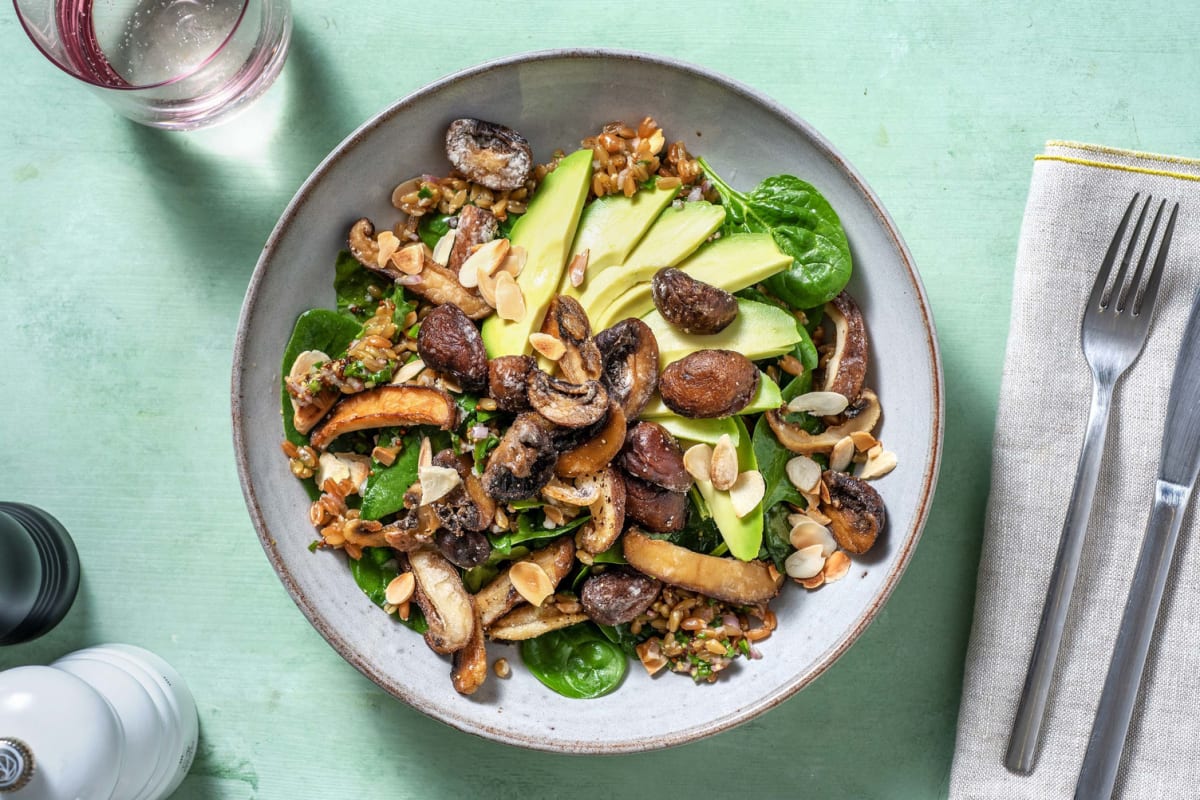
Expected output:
(555, 99)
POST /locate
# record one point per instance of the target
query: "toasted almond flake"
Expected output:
(301, 366)
(437, 482)
(553, 517)
(821, 404)
(449, 384)
(747, 492)
(550, 346)
(425, 454)
(842, 454)
(863, 441)
(815, 582)
(698, 461)
(836, 566)
(408, 187)
(343, 467)
(500, 520)
(878, 466)
(531, 582)
(487, 289)
(824, 495)
(408, 371)
(650, 654)
(409, 259)
(510, 303)
(805, 563)
(486, 260)
(808, 533)
(514, 263)
(388, 243)
(772, 573)
(385, 455)
(400, 589)
(657, 140)
(578, 268)
(875, 451)
(581, 492)
(816, 516)
(501, 668)
(723, 470)
(441, 250)
(803, 472)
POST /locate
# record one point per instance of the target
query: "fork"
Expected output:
(1115, 322)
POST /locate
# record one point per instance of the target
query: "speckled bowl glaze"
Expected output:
(556, 98)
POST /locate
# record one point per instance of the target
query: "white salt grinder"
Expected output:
(111, 722)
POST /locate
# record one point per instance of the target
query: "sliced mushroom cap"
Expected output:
(449, 342)
(413, 530)
(847, 367)
(508, 381)
(466, 549)
(653, 507)
(862, 416)
(499, 597)
(855, 511)
(617, 596)
(444, 601)
(440, 286)
(728, 579)
(629, 354)
(608, 514)
(691, 305)
(361, 242)
(387, 406)
(598, 450)
(469, 667)
(530, 622)
(524, 460)
(467, 507)
(489, 154)
(567, 321)
(572, 405)
(652, 454)
(476, 226)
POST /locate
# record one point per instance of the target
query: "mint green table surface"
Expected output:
(124, 254)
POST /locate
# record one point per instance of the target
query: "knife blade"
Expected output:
(1180, 461)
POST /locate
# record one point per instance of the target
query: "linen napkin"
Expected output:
(1076, 198)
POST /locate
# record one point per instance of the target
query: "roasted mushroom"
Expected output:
(499, 597)
(508, 380)
(469, 665)
(467, 507)
(449, 342)
(489, 154)
(608, 514)
(691, 305)
(466, 549)
(567, 321)
(653, 507)
(440, 286)
(530, 622)
(476, 226)
(728, 579)
(847, 366)
(652, 454)
(862, 416)
(597, 451)
(617, 596)
(414, 528)
(709, 383)
(387, 406)
(571, 405)
(524, 460)
(855, 511)
(444, 601)
(306, 415)
(629, 354)
(362, 245)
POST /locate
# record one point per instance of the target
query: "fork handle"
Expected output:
(1099, 772)
(1031, 712)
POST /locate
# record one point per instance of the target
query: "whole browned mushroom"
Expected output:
(489, 154)
(709, 383)
(652, 454)
(508, 381)
(855, 511)
(653, 507)
(524, 460)
(449, 342)
(629, 355)
(691, 305)
(571, 405)
(567, 321)
(617, 596)
(847, 366)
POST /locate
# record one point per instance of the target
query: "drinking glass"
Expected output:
(174, 64)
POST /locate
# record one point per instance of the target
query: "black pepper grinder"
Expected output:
(39, 572)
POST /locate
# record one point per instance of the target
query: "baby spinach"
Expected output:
(433, 227)
(352, 283)
(700, 533)
(776, 531)
(373, 572)
(577, 662)
(805, 227)
(316, 329)
(530, 528)
(384, 493)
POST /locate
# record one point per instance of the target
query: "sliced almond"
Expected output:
(387, 243)
(836, 566)
(815, 514)
(698, 461)
(805, 563)
(441, 250)
(821, 404)
(408, 371)
(343, 467)
(815, 582)
(803, 472)
(425, 454)
(650, 654)
(875, 451)
(409, 259)
(578, 267)
(305, 362)
(723, 470)
(486, 260)
(400, 589)
(487, 289)
(656, 142)
(531, 582)
(385, 455)
(550, 346)
(437, 482)
(809, 532)
(514, 263)
(878, 466)
(747, 492)
(510, 303)
(579, 493)
(842, 454)
(863, 441)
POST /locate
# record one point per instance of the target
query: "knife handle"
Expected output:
(1099, 772)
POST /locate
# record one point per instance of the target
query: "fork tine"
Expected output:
(1110, 257)
(1135, 282)
(1117, 288)
(1146, 297)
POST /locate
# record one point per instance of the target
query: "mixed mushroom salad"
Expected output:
(603, 406)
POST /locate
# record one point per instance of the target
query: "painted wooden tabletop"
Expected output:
(126, 251)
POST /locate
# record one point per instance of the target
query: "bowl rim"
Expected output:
(539, 742)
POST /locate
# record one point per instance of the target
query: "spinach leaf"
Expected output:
(622, 637)
(433, 227)
(804, 351)
(530, 528)
(773, 457)
(384, 493)
(776, 532)
(576, 662)
(316, 329)
(351, 284)
(373, 572)
(805, 227)
(700, 533)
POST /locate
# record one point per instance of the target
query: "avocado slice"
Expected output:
(674, 236)
(546, 231)
(759, 331)
(731, 263)
(691, 431)
(744, 535)
(767, 397)
(611, 227)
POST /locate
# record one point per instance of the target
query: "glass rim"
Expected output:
(131, 87)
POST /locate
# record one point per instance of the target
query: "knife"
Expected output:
(1177, 469)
